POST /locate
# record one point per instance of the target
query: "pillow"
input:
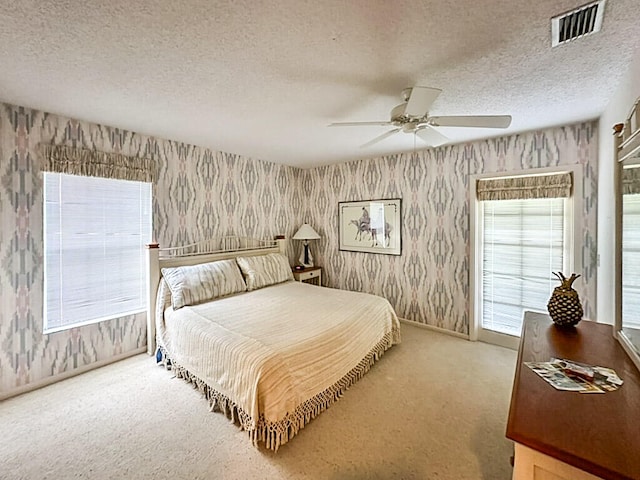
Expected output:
(198, 283)
(163, 298)
(264, 270)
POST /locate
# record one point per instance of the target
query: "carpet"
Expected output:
(434, 407)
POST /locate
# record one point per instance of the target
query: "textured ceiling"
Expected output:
(265, 78)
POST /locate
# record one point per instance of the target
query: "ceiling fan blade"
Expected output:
(380, 138)
(431, 136)
(420, 100)
(480, 121)
(359, 124)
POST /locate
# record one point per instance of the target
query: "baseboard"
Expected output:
(72, 373)
(501, 339)
(434, 329)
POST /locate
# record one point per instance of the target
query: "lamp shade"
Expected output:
(306, 232)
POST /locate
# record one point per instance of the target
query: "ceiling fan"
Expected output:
(412, 116)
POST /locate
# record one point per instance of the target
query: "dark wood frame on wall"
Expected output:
(356, 236)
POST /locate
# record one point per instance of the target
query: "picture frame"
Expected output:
(371, 226)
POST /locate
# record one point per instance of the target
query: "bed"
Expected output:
(269, 352)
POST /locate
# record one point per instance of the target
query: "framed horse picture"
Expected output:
(370, 226)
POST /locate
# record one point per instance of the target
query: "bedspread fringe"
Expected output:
(275, 434)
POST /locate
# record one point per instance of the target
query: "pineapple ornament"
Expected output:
(564, 305)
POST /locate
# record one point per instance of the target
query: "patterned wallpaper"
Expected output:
(200, 193)
(429, 282)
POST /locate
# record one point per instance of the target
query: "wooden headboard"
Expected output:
(201, 252)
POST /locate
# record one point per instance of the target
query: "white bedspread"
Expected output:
(271, 350)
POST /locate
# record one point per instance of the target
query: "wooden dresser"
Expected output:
(568, 435)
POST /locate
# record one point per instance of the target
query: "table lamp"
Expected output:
(306, 233)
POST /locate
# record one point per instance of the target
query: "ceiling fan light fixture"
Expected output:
(409, 127)
(413, 117)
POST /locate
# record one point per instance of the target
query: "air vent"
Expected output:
(580, 22)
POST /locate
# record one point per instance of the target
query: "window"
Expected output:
(523, 241)
(522, 231)
(94, 233)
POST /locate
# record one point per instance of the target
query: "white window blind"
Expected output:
(523, 241)
(95, 230)
(631, 260)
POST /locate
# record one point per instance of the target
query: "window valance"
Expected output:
(525, 187)
(630, 181)
(92, 163)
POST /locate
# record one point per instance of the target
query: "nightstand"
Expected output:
(311, 275)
